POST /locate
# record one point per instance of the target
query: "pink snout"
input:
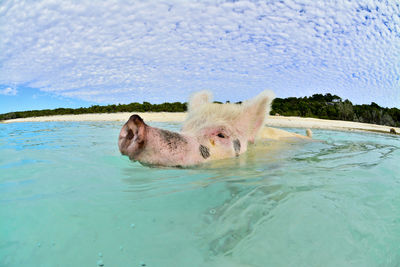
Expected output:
(132, 137)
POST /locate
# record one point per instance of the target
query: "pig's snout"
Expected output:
(132, 137)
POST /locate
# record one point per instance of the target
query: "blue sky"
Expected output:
(79, 53)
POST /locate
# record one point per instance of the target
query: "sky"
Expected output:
(80, 53)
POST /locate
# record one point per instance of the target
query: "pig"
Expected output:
(211, 131)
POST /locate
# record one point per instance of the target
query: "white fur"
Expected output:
(198, 99)
(240, 118)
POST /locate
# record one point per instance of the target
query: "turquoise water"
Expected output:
(68, 198)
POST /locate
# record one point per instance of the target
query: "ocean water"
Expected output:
(68, 198)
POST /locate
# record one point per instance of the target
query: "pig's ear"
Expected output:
(257, 110)
(198, 99)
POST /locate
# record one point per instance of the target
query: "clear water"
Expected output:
(68, 198)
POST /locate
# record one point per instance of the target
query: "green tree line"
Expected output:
(316, 106)
(132, 107)
(332, 107)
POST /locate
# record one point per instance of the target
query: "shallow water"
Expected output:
(68, 198)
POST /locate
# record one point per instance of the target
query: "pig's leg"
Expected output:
(278, 134)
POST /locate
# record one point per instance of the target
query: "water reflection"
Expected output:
(267, 182)
(280, 203)
(347, 154)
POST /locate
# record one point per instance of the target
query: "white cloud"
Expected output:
(8, 91)
(123, 52)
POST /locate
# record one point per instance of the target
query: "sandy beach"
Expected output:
(272, 121)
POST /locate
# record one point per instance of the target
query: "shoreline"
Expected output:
(272, 121)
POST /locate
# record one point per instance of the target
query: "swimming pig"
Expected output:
(211, 131)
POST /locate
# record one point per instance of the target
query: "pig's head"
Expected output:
(211, 131)
(153, 146)
(226, 128)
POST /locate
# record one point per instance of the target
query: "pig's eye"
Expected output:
(221, 135)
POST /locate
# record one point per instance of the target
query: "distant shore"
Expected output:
(272, 121)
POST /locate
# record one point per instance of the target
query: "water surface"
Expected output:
(68, 198)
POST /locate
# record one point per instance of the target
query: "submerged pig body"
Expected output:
(211, 131)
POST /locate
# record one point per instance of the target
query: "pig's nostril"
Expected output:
(129, 134)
